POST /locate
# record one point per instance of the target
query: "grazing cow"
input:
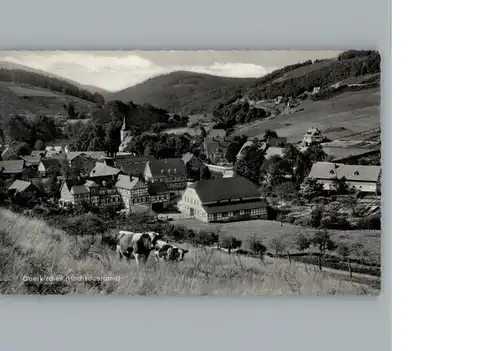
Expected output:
(154, 237)
(176, 253)
(137, 244)
(161, 249)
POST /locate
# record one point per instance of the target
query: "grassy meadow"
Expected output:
(31, 248)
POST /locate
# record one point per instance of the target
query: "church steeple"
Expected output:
(125, 131)
(124, 124)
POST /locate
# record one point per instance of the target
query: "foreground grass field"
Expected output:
(30, 248)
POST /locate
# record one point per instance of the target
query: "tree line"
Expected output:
(51, 83)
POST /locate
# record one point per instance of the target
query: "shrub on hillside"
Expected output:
(204, 238)
(370, 222)
(302, 221)
(229, 243)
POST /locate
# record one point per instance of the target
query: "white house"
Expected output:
(361, 178)
(312, 136)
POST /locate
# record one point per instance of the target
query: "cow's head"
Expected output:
(146, 240)
(181, 253)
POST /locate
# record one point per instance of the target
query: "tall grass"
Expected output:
(29, 248)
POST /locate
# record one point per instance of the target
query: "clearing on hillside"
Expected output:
(346, 114)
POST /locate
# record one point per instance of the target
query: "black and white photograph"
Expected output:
(220, 173)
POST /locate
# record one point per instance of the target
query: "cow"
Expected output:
(154, 237)
(136, 244)
(176, 254)
(160, 250)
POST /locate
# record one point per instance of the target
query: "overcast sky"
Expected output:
(116, 70)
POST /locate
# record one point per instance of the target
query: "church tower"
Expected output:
(125, 131)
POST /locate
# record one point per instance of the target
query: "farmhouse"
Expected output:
(361, 178)
(312, 136)
(11, 168)
(102, 172)
(32, 161)
(159, 195)
(215, 152)
(22, 188)
(170, 171)
(98, 195)
(49, 166)
(223, 200)
(134, 166)
(132, 191)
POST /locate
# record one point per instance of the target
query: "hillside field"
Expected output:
(346, 114)
(30, 101)
(31, 248)
(266, 230)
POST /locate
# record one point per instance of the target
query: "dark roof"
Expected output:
(12, 166)
(234, 207)
(128, 158)
(50, 162)
(158, 188)
(174, 165)
(131, 168)
(42, 184)
(211, 190)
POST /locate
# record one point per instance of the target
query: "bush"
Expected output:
(302, 221)
(370, 222)
(204, 238)
(256, 246)
(229, 242)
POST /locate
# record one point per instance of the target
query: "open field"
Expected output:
(30, 101)
(31, 248)
(267, 230)
(341, 116)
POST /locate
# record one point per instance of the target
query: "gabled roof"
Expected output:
(92, 154)
(103, 170)
(12, 166)
(321, 170)
(158, 188)
(50, 162)
(32, 160)
(129, 183)
(313, 131)
(19, 186)
(133, 168)
(39, 153)
(162, 167)
(187, 157)
(234, 188)
(91, 184)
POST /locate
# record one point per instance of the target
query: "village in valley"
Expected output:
(283, 182)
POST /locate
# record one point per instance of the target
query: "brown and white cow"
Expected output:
(136, 244)
(176, 253)
(160, 250)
